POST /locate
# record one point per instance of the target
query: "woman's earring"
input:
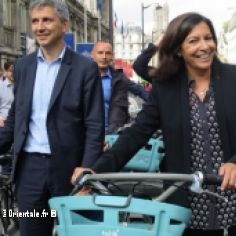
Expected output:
(179, 54)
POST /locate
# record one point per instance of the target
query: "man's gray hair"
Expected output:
(59, 5)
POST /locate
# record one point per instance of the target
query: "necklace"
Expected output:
(203, 92)
(201, 89)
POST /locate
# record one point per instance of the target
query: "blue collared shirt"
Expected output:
(46, 74)
(106, 86)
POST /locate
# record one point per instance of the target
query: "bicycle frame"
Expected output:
(5, 195)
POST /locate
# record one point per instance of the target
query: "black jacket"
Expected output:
(119, 104)
(168, 109)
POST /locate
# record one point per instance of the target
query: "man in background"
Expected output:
(6, 99)
(115, 88)
(6, 91)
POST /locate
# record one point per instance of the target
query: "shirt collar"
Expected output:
(108, 74)
(192, 82)
(41, 57)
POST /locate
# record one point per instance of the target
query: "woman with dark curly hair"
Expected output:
(193, 101)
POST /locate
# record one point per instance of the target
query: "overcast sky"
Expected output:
(217, 10)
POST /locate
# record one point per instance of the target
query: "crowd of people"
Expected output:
(64, 104)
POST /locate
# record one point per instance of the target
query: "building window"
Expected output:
(23, 17)
(12, 15)
(6, 13)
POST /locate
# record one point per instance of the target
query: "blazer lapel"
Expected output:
(29, 85)
(218, 83)
(186, 120)
(61, 77)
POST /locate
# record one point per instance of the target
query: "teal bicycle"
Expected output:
(114, 209)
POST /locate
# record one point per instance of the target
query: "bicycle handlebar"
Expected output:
(211, 179)
(196, 180)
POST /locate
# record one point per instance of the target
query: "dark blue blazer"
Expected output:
(75, 120)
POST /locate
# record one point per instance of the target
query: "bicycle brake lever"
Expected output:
(196, 186)
(216, 195)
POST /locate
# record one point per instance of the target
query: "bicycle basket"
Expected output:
(118, 216)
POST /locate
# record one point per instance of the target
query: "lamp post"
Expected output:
(111, 22)
(142, 17)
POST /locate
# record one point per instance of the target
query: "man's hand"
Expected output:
(228, 171)
(2, 121)
(83, 192)
(77, 172)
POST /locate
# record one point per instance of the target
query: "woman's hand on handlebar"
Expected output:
(228, 171)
